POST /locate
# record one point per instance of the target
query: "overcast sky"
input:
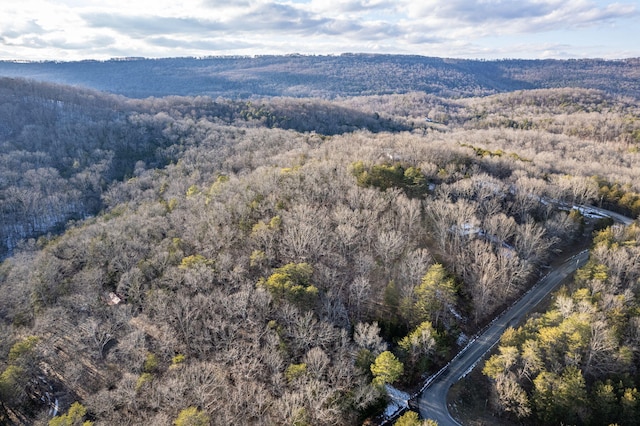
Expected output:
(102, 29)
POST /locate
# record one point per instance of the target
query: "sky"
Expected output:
(69, 30)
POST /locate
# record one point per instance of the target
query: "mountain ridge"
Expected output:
(330, 76)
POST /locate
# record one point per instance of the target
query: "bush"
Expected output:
(192, 417)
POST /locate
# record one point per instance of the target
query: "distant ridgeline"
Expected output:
(330, 76)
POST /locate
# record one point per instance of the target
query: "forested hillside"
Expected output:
(577, 363)
(61, 148)
(277, 261)
(331, 76)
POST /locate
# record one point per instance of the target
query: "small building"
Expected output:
(112, 299)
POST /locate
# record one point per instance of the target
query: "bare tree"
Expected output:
(510, 396)
(367, 336)
(305, 233)
(102, 331)
(600, 358)
(317, 362)
(532, 243)
(359, 294)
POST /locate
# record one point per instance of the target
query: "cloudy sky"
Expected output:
(103, 29)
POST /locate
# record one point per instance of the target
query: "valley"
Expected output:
(278, 258)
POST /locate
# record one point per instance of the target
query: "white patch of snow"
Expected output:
(399, 400)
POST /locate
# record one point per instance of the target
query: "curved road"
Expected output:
(432, 402)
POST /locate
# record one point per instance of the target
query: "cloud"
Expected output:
(29, 27)
(580, 14)
(97, 42)
(432, 27)
(262, 20)
(54, 42)
(204, 45)
(265, 17)
(506, 16)
(420, 38)
(354, 6)
(379, 30)
(472, 12)
(150, 25)
(225, 3)
(281, 18)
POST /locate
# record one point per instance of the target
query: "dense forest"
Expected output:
(61, 148)
(331, 76)
(190, 260)
(577, 362)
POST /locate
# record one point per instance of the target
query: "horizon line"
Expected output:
(308, 55)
